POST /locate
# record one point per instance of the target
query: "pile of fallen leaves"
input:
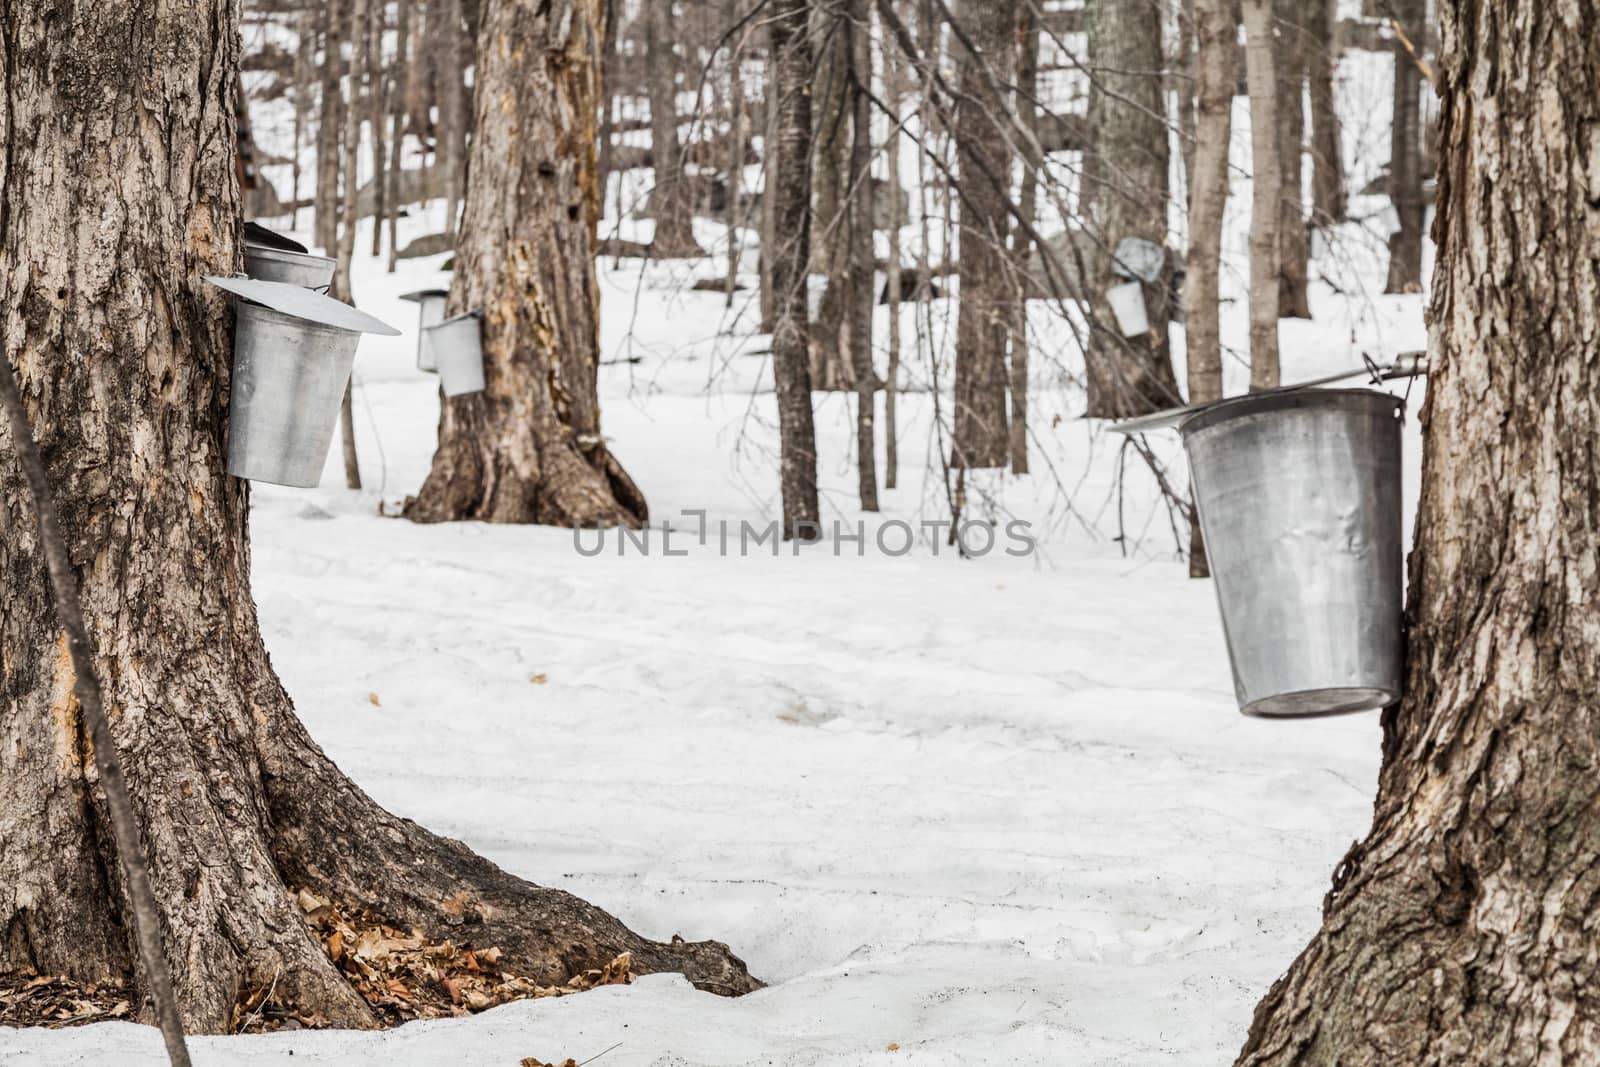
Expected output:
(405, 976)
(28, 998)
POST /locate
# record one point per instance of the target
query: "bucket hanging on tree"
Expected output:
(455, 348)
(1299, 500)
(293, 349)
(281, 265)
(430, 312)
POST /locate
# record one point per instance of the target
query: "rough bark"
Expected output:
(122, 355)
(1294, 246)
(1461, 929)
(791, 205)
(1266, 187)
(1216, 49)
(1405, 153)
(1021, 244)
(670, 199)
(1327, 140)
(528, 448)
(1129, 375)
(983, 158)
(862, 372)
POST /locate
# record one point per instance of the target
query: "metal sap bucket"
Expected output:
(293, 349)
(280, 265)
(1299, 499)
(1127, 304)
(430, 312)
(455, 347)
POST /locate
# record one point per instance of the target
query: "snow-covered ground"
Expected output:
(988, 811)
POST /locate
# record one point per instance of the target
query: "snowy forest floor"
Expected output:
(988, 811)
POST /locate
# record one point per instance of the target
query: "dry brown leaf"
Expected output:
(539, 679)
(374, 698)
(892, 1047)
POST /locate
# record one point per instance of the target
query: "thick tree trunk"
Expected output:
(1021, 244)
(1293, 242)
(1460, 930)
(863, 373)
(528, 448)
(1405, 154)
(1216, 49)
(1129, 375)
(123, 357)
(1266, 187)
(983, 158)
(790, 192)
(1327, 142)
(670, 200)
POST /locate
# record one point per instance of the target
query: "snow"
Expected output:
(997, 810)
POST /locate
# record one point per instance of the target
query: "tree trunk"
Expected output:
(1129, 375)
(1405, 154)
(1459, 930)
(983, 158)
(397, 107)
(861, 293)
(528, 448)
(325, 223)
(1021, 245)
(891, 387)
(791, 197)
(1216, 33)
(736, 144)
(1293, 243)
(769, 155)
(123, 361)
(1327, 142)
(453, 103)
(304, 52)
(378, 120)
(1266, 188)
(830, 194)
(670, 201)
(360, 63)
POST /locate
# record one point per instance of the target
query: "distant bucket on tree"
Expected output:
(1127, 304)
(281, 265)
(1299, 499)
(430, 312)
(455, 348)
(293, 350)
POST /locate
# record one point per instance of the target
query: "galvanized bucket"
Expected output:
(430, 312)
(281, 265)
(1299, 498)
(1127, 304)
(289, 376)
(455, 348)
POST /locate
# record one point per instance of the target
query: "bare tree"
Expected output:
(1021, 243)
(790, 191)
(1216, 32)
(1294, 251)
(983, 156)
(671, 200)
(1129, 375)
(528, 448)
(1327, 142)
(891, 388)
(454, 111)
(400, 94)
(360, 64)
(861, 230)
(1405, 151)
(1261, 74)
(1459, 929)
(831, 110)
(238, 806)
(325, 222)
(304, 59)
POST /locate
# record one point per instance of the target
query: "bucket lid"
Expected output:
(261, 237)
(417, 296)
(304, 303)
(1283, 400)
(452, 320)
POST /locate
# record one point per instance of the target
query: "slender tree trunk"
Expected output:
(453, 103)
(671, 201)
(1293, 242)
(830, 194)
(326, 218)
(891, 389)
(1183, 88)
(397, 108)
(1129, 375)
(360, 64)
(1458, 931)
(1261, 72)
(304, 53)
(983, 158)
(1021, 245)
(736, 143)
(863, 372)
(791, 196)
(528, 448)
(378, 103)
(123, 365)
(1327, 142)
(608, 105)
(1405, 154)
(1216, 32)
(769, 156)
